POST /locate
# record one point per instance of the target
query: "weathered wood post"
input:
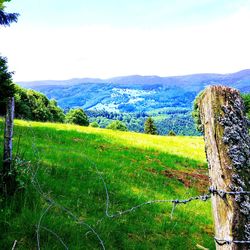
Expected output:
(9, 182)
(227, 144)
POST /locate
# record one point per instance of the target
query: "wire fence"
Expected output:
(52, 203)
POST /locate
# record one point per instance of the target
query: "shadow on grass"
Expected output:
(67, 174)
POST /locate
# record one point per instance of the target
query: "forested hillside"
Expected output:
(132, 99)
(34, 106)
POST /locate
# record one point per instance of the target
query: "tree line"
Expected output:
(34, 106)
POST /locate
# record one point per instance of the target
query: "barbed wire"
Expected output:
(175, 202)
(223, 193)
(56, 235)
(39, 224)
(52, 202)
(229, 242)
(203, 197)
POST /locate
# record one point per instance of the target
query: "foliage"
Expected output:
(135, 168)
(6, 84)
(117, 125)
(133, 104)
(196, 113)
(133, 99)
(56, 112)
(2, 3)
(94, 125)
(32, 105)
(6, 18)
(246, 98)
(77, 116)
(182, 124)
(133, 121)
(23, 171)
(180, 121)
(171, 133)
(149, 127)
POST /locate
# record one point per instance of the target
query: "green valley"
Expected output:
(131, 99)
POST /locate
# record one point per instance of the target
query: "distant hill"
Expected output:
(60, 82)
(136, 90)
(241, 77)
(159, 97)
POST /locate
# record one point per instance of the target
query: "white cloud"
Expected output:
(222, 46)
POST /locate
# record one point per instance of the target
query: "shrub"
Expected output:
(117, 125)
(94, 125)
(77, 116)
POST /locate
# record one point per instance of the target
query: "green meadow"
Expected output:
(67, 171)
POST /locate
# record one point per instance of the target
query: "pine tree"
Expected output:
(171, 133)
(149, 127)
(6, 18)
(6, 85)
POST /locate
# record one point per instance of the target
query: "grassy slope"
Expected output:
(136, 168)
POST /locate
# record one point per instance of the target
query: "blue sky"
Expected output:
(103, 38)
(123, 13)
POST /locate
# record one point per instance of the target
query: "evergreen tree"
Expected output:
(6, 18)
(7, 88)
(6, 85)
(149, 127)
(171, 133)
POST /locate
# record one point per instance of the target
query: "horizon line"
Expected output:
(132, 75)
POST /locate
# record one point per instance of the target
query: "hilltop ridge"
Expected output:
(140, 79)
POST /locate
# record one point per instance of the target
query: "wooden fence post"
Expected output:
(9, 182)
(227, 145)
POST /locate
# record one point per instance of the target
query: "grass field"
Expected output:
(71, 161)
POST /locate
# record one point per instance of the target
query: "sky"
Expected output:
(59, 39)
